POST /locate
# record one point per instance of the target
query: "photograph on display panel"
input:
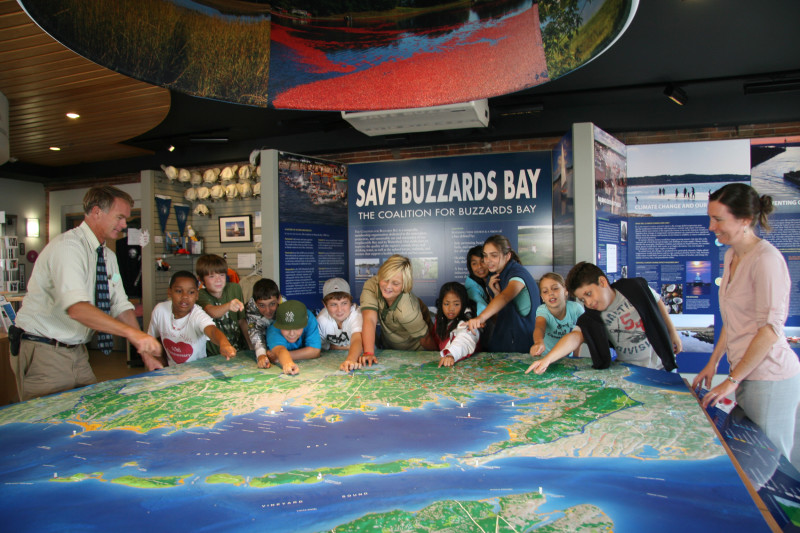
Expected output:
(775, 170)
(675, 179)
(610, 173)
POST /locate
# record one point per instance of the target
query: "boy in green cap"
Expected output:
(293, 335)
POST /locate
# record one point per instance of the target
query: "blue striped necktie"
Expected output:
(102, 300)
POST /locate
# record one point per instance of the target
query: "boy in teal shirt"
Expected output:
(293, 335)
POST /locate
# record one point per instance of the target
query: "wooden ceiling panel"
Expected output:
(43, 80)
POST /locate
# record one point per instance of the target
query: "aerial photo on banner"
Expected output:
(336, 55)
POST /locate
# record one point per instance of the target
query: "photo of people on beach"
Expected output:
(675, 179)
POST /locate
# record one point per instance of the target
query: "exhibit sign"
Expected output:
(312, 225)
(434, 210)
(611, 206)
(563, 166)
(671, 245)
(775, 170)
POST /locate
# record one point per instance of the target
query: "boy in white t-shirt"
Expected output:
(340, 323)
(182, 326)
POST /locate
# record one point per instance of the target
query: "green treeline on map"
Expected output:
(268, 480)
(313, 476)
(159, 482)
(599, 403)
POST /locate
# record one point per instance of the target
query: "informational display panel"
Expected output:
(434, 210)
(775, 170)
(563, 205)
(671, 246)
(611, 207)
(313, 226)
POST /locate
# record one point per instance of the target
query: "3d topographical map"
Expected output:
(402, 446)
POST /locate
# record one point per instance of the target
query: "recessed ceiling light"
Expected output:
(171, 148)
(55, 148)
(73, 115)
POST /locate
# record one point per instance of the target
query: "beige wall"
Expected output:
(25, 200)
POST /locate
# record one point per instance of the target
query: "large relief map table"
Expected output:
(404, 445)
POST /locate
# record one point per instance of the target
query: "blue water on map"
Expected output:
(656, 378)
(261, 442)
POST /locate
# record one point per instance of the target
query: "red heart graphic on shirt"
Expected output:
(179, 351)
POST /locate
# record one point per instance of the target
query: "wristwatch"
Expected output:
(734, 381)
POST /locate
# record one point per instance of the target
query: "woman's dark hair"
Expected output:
(442, 331)
(504, 245)
(477, 251)
(743, 201)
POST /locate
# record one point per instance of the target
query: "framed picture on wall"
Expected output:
(172, 242)
(236, 229)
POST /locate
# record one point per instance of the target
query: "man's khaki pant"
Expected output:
(43, 369)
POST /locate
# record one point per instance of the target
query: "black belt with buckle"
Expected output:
(45, 340)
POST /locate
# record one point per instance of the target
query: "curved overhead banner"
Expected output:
(337, 55)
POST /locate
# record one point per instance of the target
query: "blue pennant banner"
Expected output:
(163, 203)
(181, 213)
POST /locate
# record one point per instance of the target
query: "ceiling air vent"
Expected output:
(473, 114)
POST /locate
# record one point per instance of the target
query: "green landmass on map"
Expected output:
(791, 509)
(158, 482)
(510, 514)
(80, 476)
(314, 476)
(597, 404)
(228, 479)
(268, 480)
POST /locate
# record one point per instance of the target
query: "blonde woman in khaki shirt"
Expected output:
(387, 299)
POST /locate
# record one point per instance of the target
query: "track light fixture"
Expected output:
(772, 86)
(676, 94)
